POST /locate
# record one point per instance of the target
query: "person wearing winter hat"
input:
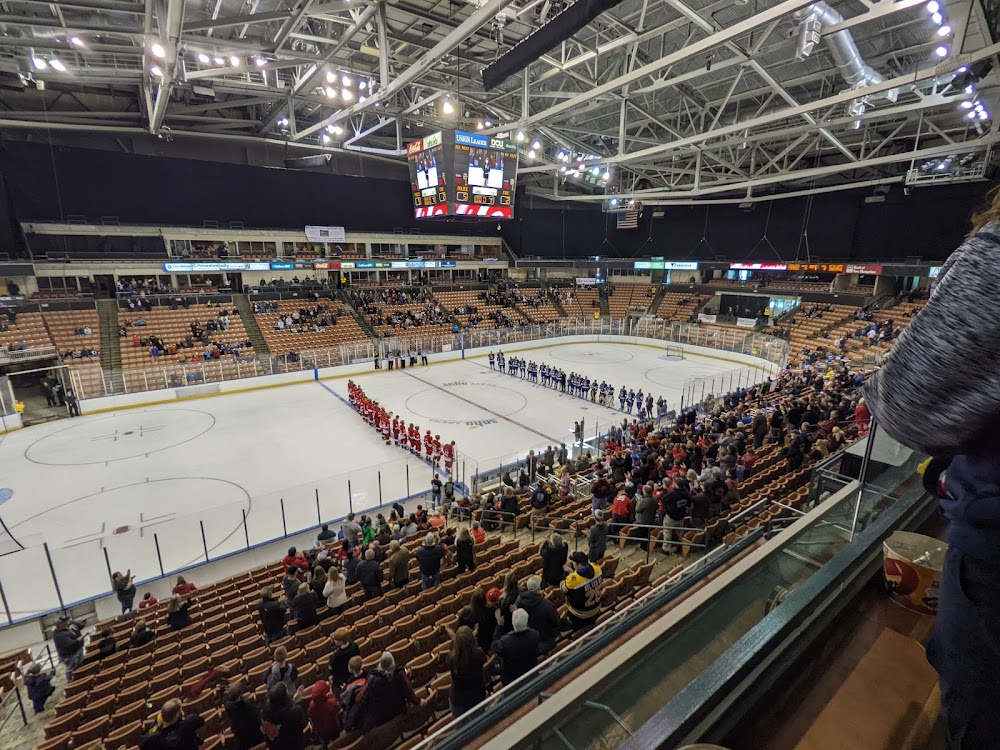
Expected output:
(324, 713)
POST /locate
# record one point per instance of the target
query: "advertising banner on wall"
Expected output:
(865, 270)
(705, 318)
(326, 234)
(746, 322)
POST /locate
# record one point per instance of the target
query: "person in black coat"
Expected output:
(172, 730)
(542, 615)
(465, 551)
(466, 662)
(244, 717)
(272, 615)
(389, 693)
(554, 555)
(304, 606)
(344, 649)
(282, 722)
(178, 615)
(370, 576)
(518, 650)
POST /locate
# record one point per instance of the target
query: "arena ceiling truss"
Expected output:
(654, 100)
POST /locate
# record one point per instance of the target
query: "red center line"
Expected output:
(486, 409)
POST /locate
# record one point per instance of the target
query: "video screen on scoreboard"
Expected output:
(485, 176)
(428, 176)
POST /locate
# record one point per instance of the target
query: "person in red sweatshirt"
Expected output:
(325, 713)
(183, 588)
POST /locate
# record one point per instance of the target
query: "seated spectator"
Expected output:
(518, 649)
(244, 717)
(324, 712)
(282, 721)
(478, 535)
(172, 730)
(389, 693)
(141, 634)
(178, 616)
(39, 685)
(304, 606)
(294, 560)
(183, 588)
(344, 650)
(326, 534)
(467, 663)
(107, 645)
(542, 614)
(281, 671)
(148, 600)
(272, 615)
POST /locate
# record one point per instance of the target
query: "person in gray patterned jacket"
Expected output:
(939, 393)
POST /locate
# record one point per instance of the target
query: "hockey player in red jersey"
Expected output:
(429, 445)
(449, 456)
(437, 450)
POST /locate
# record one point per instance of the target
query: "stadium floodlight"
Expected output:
(157, 49)
(479, 126)
(337, 130)
(234, 61)
(77, 42)
(259, 62)
(57, 64)
(282, 122)
(219, 61)
(448, 107)
(156, 71)
(562, 168)
(614, 201)
(595, 171)
(607, 175)
(362, 98)
(941, 51)
(963, 69)
(330, 76)
(531, 154)
(944, 30)
(984, 115)
(203, 58)
(326, 138)
(346, 93)
(972, 115)
(331, 92)
(937, 18)
(39, 63)
(536, 145)
(346, 80)
(933, 6)
(362, 85)
(520, 136)
(489, 124)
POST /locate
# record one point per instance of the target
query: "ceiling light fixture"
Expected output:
(234, 61)
(156, 71)
(536, 145)
(337, 129)
(346, 93)
(937, 18)
(331, 92)
(330, 76)
(219, 61)
(531, 154)
(259, 62)
(933, 6)
(39, 63)
(346, 80)
(448, 107)
(77, 42)
(944, 30)
(520, 136)
(941, 51)
(326, 138)
(157, 49)
(57, 64)
(203, 58)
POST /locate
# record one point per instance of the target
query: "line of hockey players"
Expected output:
(579, 385)
(396, 432)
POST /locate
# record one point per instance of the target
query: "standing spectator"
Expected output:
(370, 575)
(542, 614)
(290, 585)
(597, 538)
(389, 693)
(282, 722)
(304, 606)
(466, 662)
(74, 403)
(324, 713)
(178, 615)
(398, 565)
(352, 530)
(172, 730)
(554, 554)
(183, 588)
(645, 512)
(294, 560)
(465, 552)
(335, 591)
(430, 556)
(124, 589)
(272, 615)
(518, 649)
(69, 645)
(39, 685)
(344, 650)
(354, 696)
(583, 591)
(244, 717)
(511, 591)
(281, 671)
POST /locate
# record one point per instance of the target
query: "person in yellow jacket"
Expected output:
(583, 587)
(19, 406)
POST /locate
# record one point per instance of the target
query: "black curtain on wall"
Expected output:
(52, 184)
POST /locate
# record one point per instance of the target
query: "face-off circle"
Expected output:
(119, 437)
(435, 404)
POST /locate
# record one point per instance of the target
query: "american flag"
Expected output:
(628, 220)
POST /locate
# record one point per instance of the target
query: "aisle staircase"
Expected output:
(111, 346)
(554, 299)
(242, 302)
(361, 320)
(654, 304)
(605, 310)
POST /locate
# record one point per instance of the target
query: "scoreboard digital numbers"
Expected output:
(429, 176)
(463, 174)
(485, 176)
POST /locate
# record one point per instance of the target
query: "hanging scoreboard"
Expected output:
(463, 174)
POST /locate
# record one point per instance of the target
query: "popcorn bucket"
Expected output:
(911, 564)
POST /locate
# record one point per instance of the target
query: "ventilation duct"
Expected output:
(844, 51)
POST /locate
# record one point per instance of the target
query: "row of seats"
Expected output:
(173, 326)
(283, 342)
(627, 297)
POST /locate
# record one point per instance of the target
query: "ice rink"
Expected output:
(96, 489)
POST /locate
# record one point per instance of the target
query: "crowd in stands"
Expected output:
(373, 303)
(202, 336)
(305, 319)
(140, 287)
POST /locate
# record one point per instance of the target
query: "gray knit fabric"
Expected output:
(939, 392)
